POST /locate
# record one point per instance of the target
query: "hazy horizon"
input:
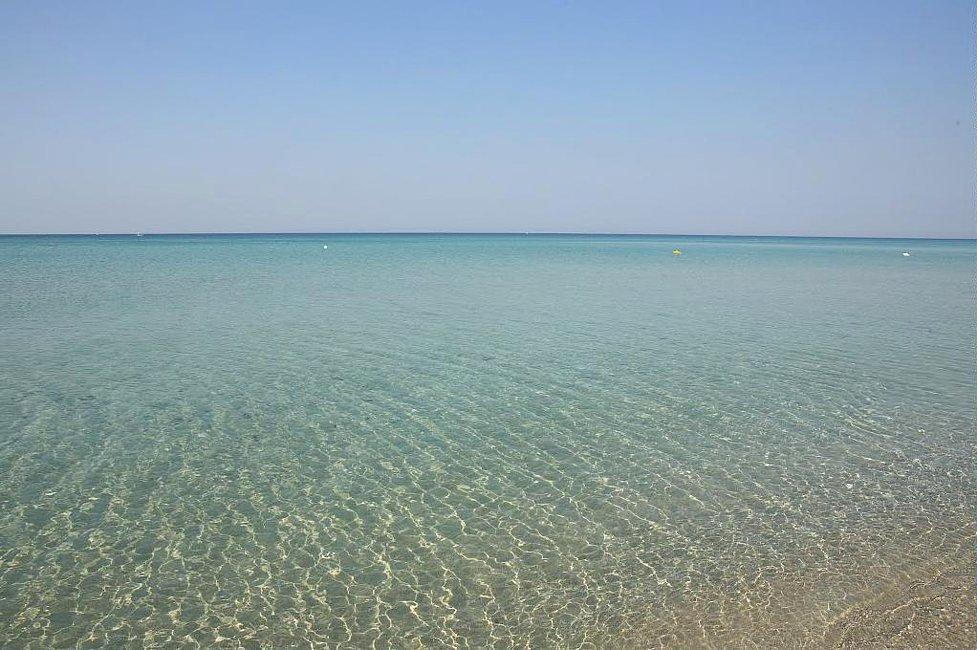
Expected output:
(202, 233)
(834, 120)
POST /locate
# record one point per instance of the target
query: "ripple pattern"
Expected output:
(467, 442)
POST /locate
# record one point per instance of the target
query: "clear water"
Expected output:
(465, 441)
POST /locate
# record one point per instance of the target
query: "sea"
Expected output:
(473, 441)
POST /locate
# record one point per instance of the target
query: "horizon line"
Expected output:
(453, 232)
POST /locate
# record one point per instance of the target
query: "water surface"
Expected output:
(505, 440)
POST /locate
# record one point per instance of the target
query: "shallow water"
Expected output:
(464, 441)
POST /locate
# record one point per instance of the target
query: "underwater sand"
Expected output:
(472, 441)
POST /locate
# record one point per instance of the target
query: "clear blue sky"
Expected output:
(812, 118)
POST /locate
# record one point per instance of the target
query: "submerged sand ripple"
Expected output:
(575, 460)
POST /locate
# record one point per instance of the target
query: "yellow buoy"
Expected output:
(676, 252)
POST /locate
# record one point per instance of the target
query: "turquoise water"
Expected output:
(486, 440)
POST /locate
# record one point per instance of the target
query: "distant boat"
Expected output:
(905, 253)
(138, 234)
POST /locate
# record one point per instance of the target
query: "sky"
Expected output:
(771, 118)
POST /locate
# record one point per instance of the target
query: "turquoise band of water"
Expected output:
(461, 441)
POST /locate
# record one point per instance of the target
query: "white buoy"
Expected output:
(324, 247)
